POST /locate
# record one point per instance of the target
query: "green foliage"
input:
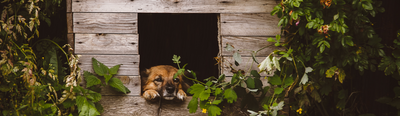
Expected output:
(107, 73)
(326, 42)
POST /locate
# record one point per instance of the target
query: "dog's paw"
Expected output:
(150, 94)
(181, 95)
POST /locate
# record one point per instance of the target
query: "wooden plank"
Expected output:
(105, 22)
(131, 82)
(246, 45)
(138, 106)
(106, 43)
(228, 61)
(175, 6)
(70, 23)
(257, 24)
(70, 39)
(129, 63)
(69, 5)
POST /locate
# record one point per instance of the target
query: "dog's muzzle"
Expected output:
(169, 93)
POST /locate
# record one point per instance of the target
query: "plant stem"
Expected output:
(194, 80)
(66, 55)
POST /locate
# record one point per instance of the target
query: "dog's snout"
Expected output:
(170, 89)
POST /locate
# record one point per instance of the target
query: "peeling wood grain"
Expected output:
(249, 24)
(138, 106)
(70, 24)
(246, 45)
(70, 39)
(106, 43)
(246, 63)
(175, 6)
(69, 5)
(129, 63)
(131, 82)
(105, 22)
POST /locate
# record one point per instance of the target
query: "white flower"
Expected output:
(265, 65)
(276, 63)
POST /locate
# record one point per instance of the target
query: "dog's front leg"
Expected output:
(150, 94)
(181, 95)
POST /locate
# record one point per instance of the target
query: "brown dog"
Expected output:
(160, 82)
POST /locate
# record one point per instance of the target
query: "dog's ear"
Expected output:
(144, 75)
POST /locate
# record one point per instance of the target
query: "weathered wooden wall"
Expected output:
(107, 30)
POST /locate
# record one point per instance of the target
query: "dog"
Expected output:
(158, 81)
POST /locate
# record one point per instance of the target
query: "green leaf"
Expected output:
(396, 53)
(275, 80)
(216, 102)
(85, 108)
(310, 25)
(281, 21)
(68, 103)
(336, 16)
(296, 3)
(117, 84)
(255, 74)
(107, 77)
(288, 81)
(258, 83)
(221, 78)
(196, 90)
(278, 90)
(319, 14)
(205, 94)
(322, 48)
(331, 71)
(270, 39)
(91, 79)
(367, 6)
(217, 91)
(230, 95)
(214, 110)
(114, 69)
(209, 83)
(342, 75)
(193, 105)
(99, 107)
(176, 59)
(99, 67)
(277, 44)
(250, 83)
(235, 77)
(94, 96)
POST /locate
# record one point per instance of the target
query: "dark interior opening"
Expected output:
(194, 37)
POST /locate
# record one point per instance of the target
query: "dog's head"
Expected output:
(161, 79)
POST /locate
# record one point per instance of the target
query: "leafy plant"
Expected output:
(215, 91)
(102, 70)
(328, 44)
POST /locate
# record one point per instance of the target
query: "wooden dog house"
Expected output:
(110, 31)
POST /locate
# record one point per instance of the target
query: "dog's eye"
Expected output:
(176, 80)
(158, 79)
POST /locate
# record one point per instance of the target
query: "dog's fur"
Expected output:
(158, 81)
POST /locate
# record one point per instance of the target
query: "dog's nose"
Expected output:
(170, 89)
